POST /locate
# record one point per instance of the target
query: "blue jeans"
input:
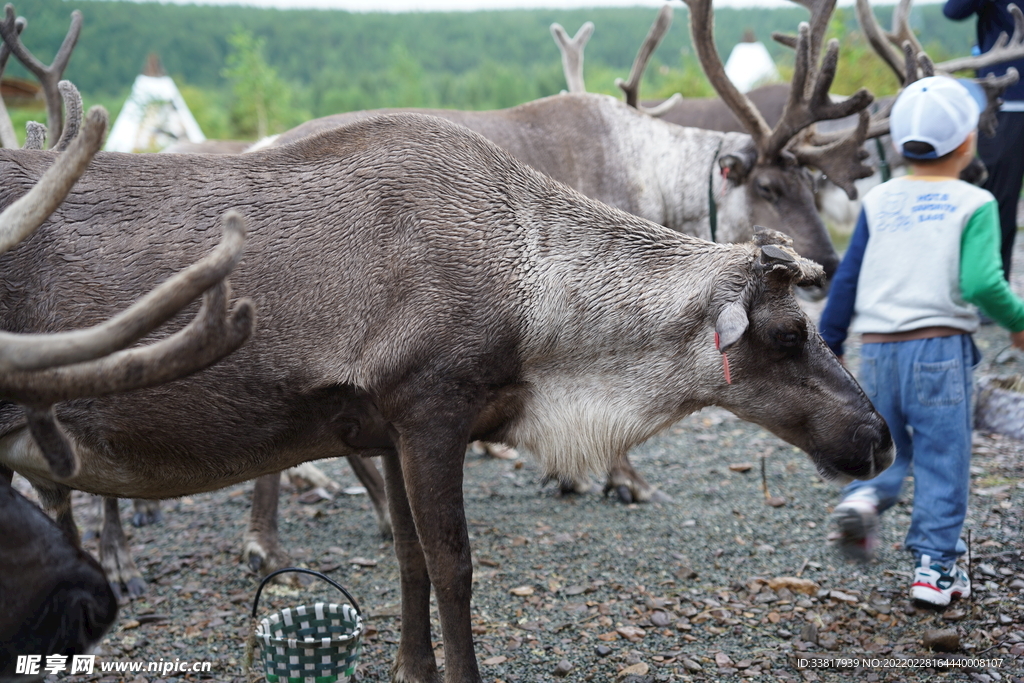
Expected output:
(923, 390)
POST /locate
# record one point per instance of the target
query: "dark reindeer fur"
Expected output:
(54, 598)
(417, 288)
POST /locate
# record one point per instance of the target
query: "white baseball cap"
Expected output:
(939, 110)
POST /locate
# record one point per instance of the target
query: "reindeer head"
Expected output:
(768, 179)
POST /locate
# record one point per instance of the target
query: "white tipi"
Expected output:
(749, 64)
(154, 115)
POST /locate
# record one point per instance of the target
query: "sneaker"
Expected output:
(937, 585)
(856, 522)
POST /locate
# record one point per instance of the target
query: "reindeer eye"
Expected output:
(787, 338)
(765, 190)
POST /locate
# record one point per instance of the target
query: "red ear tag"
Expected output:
(725, 360)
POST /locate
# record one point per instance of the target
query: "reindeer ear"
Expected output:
(736, 166)
(731, 324)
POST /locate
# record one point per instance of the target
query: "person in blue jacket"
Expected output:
(925, 248)
(1003, 154)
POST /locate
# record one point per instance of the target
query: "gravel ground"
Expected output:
(595, 590)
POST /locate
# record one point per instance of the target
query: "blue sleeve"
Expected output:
(842, 295)
(961, 9)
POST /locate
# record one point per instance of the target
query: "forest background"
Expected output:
(246, 72)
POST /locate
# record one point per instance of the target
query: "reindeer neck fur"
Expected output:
(594, 391)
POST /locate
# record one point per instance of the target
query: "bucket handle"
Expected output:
(300, 570)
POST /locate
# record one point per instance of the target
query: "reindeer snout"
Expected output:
(874, 440)
(866, 451)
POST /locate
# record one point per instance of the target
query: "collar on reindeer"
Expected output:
(712, 204)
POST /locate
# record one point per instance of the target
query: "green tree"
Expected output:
(261, 98)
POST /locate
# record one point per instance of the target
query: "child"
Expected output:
(925, 246)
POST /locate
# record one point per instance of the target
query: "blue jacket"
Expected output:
(993, 18)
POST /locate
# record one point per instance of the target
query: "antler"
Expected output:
(21, 218)
(821, 13)
(631, 86)
(889, 44)
(833, 157)
(901, 50)
(572, 53)
(1005, 49)
(8, 138)
(39, 370)
(808, 97)
(49, 76)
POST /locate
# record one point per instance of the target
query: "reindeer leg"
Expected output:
(414, 662)
(629, 485)
(374, 484)
(56, 500)
(125, 578)
(260, 548)
(146, 512)
(432, 465)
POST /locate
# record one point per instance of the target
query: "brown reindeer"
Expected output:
(54, 599)
(418, 288)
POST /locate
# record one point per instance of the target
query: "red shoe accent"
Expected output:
(927, 585)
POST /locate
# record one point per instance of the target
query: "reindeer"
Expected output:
(698, 182)
(54, 598)
(260, 548)
(418, 287)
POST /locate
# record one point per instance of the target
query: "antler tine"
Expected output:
(901, 31)
(73, 103)
(572, 53)
(910, 64)
(22, 352)
(702, 30)
(879, 41)
(48, 76)
(1005, 49)
(821, 13)
(926, 65)
(994, 87)
(801, 110)
(35, 135)
(833, 159)
(21, 218)
(19, 25)
(8, 138)
(631, 86)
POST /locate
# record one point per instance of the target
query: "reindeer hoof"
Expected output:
(625, 495)
(136, 587)
(255, 561)
(140, 519)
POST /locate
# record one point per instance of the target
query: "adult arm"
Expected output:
(981, 270)
(959, 10)
(842, 295)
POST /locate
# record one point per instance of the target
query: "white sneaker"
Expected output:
(937, 585)
(856, 522)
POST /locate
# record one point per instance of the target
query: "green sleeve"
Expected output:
(981, 270)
